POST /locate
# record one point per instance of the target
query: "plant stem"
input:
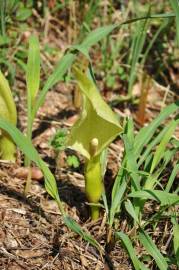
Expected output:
(94, 212)
(29, 136)
(3, 14)
(28, 181)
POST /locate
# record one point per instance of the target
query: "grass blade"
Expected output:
(130, 209)
(117, 194)
(175, 5)
(96, 35)
(176, 241)
(172, 177)
(56, 76)
(137, 46)
(132, 254)
(146, 133)
(33, 68)
(152, 249)
(75, 227)
(161, 147)
(163, 197)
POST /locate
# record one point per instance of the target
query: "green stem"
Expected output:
(29, 136)
(93, 184)
(94, 212)
(3, 14)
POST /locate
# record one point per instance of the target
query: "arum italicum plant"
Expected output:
(95, 129)
(7, 112)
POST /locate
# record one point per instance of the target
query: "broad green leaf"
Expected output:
(33, 69)
(132, 254)
(176, 241)
(97, 120)
(161, 147)
(152, 249)
(163, 197)
(23, 14)
(50, 183)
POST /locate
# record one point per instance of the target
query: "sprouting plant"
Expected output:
(95, 129)
(59, 139)
(73, 161)
(7, 112)
(33, 82)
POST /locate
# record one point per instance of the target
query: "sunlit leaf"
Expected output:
(128, 245)
(7, 112)
(176, 241)
(161, 147)
(163, 197)
(153, 250)
(33, 68)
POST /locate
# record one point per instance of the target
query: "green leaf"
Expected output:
(33, 69)
(73, 161)
(152, 249)
(175, 5)
(163, 197)
(161, 147)
(97, 120)
(71, 223)
(95, 36)
(176, 241)
(117, 194)
(139, 37)
(146, 133)
(23, 14)
(132, 254)
(172, 177)
(130, 209)
(7, 104)
(7, 112)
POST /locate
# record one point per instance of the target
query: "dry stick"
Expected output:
(28, 181)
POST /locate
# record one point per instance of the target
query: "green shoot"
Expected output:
(7, 112)
(91, 134)
(73, 161)
(33, 82)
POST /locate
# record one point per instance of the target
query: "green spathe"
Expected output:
(97, 120)
(8, 112)
(95, 129)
